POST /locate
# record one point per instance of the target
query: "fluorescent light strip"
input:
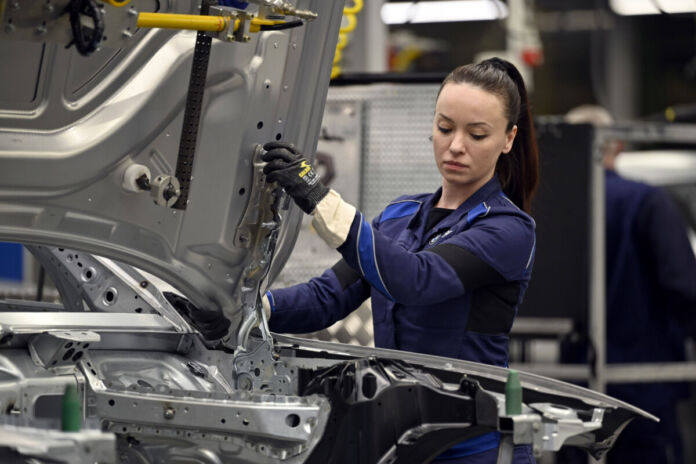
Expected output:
(647, 7)
(677, 6)
(443, 11)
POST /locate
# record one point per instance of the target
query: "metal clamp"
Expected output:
(55, 349)
(547, 429)
(237, 24)
(285, 8)
(165, 190)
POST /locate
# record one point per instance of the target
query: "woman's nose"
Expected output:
(457, 145)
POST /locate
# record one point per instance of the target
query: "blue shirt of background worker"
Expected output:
(650, 301)
(446, 271)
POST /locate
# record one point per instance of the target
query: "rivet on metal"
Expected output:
(169, 413)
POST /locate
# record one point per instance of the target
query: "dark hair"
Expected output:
(518, 171)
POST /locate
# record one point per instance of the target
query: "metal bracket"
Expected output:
(258, 231)
(281, 7)
(55, 349)
(562, 423)
(547, 429)
(260, 370)
(232, 15)
(105, 285)
(166, 412)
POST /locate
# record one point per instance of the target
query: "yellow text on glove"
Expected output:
(306, 169)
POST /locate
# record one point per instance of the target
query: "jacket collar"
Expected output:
(488, 190)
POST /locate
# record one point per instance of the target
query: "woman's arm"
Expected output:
(316, 304)
(493, 251)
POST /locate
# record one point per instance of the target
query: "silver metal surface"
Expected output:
(258, 232)
(29, 323)
(528, 380)
(261, 416)
(63, 166)
(26, 20)
(259, 368)
(597, 269)
(103, 285)
(85, 446)
(560, 424)
(192, 395)
(145, 292)
(58, 349)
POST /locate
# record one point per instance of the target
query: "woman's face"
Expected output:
(469, 134)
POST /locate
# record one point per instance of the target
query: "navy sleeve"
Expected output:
(316, 304)
(503, 242)
(472, 270)
(670, 256)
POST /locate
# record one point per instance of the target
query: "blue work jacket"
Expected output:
(651, 302)
(650, 307)
(450, 291)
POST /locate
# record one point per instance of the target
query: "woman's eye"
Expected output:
(478, 136)
(444, 130)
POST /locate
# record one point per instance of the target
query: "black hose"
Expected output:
(86, 39)
(280, 27)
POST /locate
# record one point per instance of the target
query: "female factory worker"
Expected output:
(446, 270)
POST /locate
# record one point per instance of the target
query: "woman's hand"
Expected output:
(294, 174)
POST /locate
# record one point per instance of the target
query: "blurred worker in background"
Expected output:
(650, 300)
(447, 270)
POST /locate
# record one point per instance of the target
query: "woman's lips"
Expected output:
(455, 166)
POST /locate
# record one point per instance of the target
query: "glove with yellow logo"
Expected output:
(294, 174)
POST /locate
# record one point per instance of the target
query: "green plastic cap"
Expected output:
(513, 394)
(71, 414)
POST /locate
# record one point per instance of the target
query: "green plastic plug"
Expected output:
(513, 394)
(71, 410)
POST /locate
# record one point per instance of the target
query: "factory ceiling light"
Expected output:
(443, 11)
(646, 7)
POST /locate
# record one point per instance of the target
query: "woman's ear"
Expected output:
(509, 138)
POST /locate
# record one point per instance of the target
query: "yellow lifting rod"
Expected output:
(198, 22)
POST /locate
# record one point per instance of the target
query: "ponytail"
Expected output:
(517, 171)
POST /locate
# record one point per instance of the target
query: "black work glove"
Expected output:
(294, 174)
(213, 325)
